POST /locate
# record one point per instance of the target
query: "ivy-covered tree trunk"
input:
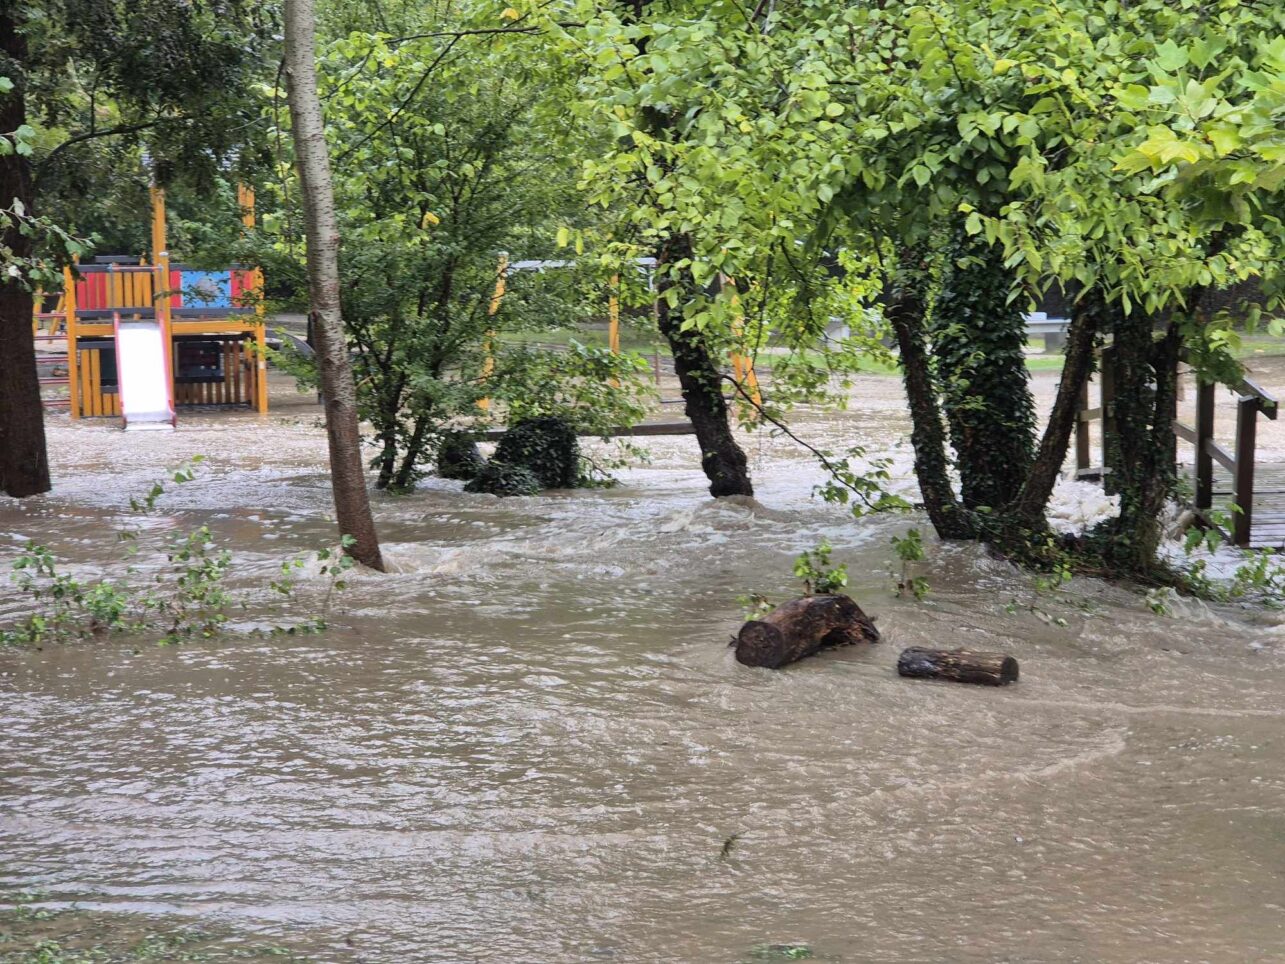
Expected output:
(1087, 318)
(1141, 452)
(722, 459)
(978, 336)
(24, 461)
(905, 311)
(347, 475)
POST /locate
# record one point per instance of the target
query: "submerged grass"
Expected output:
(31, 934)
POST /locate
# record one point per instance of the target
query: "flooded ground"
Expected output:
(529, 742)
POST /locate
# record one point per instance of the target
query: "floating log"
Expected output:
(802, 627)
(959, 665)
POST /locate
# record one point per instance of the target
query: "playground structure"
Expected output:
(143, 341)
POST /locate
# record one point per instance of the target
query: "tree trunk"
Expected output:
(1141, 452)
(348, 481)
(905, 312)
(958, 665)
(722, 459)
(24, 460)
(1086, 319)
(387, 458)
(414, 451)
(978, 342)
(802, 627)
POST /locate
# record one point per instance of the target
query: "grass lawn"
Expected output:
(648, 342)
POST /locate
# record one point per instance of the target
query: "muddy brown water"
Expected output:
(530, 742)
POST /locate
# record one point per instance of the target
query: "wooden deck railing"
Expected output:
(1252, 401)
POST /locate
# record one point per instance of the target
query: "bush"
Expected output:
(500, 478)
(548, 447)
(459, 458)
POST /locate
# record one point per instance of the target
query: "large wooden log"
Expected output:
(800, 628)
(959, 665)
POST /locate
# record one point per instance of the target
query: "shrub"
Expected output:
(459, 458)
(547, 447)
(500, 478)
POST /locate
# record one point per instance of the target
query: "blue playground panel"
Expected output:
(206, 289)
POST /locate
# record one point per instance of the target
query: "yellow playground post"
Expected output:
(613, 321)
(73, 361)
(742, 365)
(245, 200)
(497, 298)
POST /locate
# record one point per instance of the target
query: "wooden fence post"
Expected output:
(1204, 463)
(1107, 371)
(1246, 429)
(1082, 431)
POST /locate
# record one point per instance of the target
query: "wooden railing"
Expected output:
(1252, 401)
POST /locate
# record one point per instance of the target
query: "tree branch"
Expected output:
(92, 134)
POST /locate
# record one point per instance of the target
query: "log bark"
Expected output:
(802, 627)
(24, 461)
(958, 665)
(347, 473)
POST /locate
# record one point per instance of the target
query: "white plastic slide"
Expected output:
(143, 374)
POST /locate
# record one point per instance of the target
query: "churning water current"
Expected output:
(530, 742)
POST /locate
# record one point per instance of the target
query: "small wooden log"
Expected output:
(959, 665)
(802, 627)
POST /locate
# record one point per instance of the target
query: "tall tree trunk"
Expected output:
(348, 481)
(1086, 320)
(905, 312)
(722, 459)
(978, 341)
(1141, 452)
(24, 460)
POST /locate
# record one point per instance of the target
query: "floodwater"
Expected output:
(530, 742)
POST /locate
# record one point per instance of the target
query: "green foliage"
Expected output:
(782, 952)
(184, 473)
(861, 489)
(31, 935)
(819, 577)
(910, 550)
(62, 606)
(591, 389)
(547, 447)
(755, 605)
(500, 478)
(442, 160)
(978, 334)
(186, 598)
(1259, 576)
(100, 92)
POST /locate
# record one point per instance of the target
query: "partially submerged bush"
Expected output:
(547, 447)
(458, 458)
(500, 478)
(186, 597)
